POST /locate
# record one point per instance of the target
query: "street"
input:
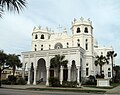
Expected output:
(29, 92)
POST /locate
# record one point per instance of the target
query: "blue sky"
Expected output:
(15, 30)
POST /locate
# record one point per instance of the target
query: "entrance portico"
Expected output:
(38, 64)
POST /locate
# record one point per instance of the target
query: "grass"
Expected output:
(94, 86)
(67, 90)
(115, 84)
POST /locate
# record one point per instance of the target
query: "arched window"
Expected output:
(78, 30)
(86, 30)
(73, 62)
(86, 46)
(78, 44)
(42, 36)
(41, 47)
(58, 46)
(109, 69)
(78, 40)
(49, 46)
(36, 36)
(67, 45)
(86, 64)
(87, 71)
(35, 49)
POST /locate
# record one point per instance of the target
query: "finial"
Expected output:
(74, 19)
(81, 18)
(88, 19)
(47, 28)
(65, 30)
(39, 27)
(34, 28)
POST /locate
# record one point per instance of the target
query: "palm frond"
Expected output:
(13, 5)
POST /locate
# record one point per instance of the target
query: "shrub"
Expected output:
(7, 82)
(20, 81)
(84, 80)
(54, 82)
(12, 79)
(69, 84)
(91, 80)
(100, 76)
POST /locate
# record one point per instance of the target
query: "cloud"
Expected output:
(16, 29)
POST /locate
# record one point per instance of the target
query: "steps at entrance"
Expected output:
(42, 83)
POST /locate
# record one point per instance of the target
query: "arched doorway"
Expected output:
(65, 73)
(31, 73)
(73, 71)
(41, 70)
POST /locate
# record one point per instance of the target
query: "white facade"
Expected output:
(79, 49)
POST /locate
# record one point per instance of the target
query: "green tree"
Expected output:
(14, 62)
(111, 55)
(101, 60)
(12, 5)
(117, 73)
(58, 61)
(3, 58)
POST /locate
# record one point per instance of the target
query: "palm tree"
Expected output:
(3, 58)
(117, 73)
(111, 55)
(101, 60)
(58, 61)
(12, 5)
(13, 61)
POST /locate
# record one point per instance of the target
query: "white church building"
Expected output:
(80, 49)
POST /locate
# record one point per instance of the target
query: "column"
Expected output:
(23, 73)
(28, 76)
(61, 74)
(78, 74)
(34, 83)
(23, 67)
(47, 76)
(69, 73)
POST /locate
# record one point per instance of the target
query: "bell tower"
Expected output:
(39, 38)
(82, 36)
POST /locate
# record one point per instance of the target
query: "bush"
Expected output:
(91, 81)
(84, 80)
(69, 84)
(54, 82)
(20, 81)
(12, 79)
(100, 76)
(7, 82)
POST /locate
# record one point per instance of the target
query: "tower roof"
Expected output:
(81, 21)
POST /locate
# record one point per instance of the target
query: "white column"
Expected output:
(61, 74)
(47, 76)
(23, 68)
(28, 76)
(69, 73)
(23, 73)
(78, 74)
(34, 83)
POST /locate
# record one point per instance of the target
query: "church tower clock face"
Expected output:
(58, 46)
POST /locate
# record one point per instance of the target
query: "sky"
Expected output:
(16, 29)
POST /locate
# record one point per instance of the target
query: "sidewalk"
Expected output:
(115, 90)
(23, 87)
